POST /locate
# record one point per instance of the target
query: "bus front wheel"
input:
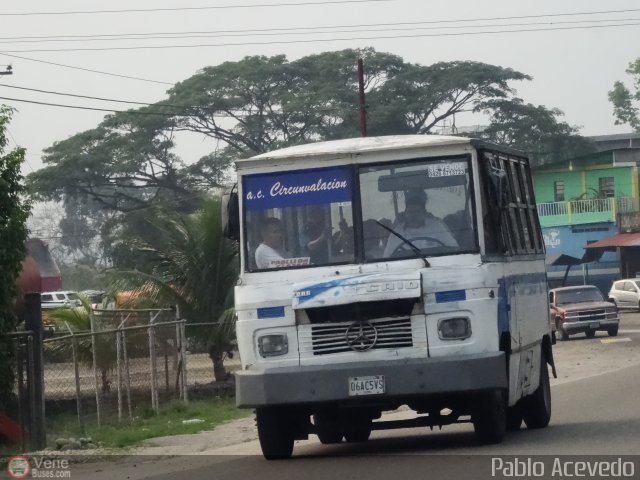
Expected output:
(275, 432)
(490, 417)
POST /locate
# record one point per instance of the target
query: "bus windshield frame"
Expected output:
(334, 215)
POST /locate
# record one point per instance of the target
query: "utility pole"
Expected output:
(363, 107)
(8, 71)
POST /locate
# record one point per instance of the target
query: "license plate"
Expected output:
(594, 324)
(370, 385)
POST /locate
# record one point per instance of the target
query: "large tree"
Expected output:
(124, 164)
(14, 211)
(625, 102)
(262, 103)
(255, 105)
(421, 97)
(258, 104)
(533, 128)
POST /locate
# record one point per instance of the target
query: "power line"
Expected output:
(175, 9)
(324, 40)
(99, 98)
(85, 69)
(185, 107)
(291, 29)
(133, 112)
(96, 109)
(244, 33)
(129, 77)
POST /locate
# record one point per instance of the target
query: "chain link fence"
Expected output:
(130, 361)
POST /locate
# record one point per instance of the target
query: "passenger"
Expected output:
(315, 236)
(271, 250)
(343, 239)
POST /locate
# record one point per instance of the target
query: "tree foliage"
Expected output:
(192, 265)
(124, 164)
(258, 104)
(421, 97)
(262, 103)
(625, 102)
(14, 211)
(534, 129)
(78, 320)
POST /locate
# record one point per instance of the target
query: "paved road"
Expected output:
(599, 415)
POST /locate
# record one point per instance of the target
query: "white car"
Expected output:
(626, 293)
(60, 299)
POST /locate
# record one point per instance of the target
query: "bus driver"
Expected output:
(418, 226)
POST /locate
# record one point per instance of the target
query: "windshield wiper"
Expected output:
(415, 249)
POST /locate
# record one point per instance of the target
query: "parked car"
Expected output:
(626, 293)
(582, 309)
(95, 297)
(60, 299)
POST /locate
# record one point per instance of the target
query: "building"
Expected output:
(40, 273)
(578, 204)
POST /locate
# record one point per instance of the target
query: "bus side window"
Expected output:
(492, 199)
(491, 230)
(511, 205)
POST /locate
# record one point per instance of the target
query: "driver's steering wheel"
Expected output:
(404, 246)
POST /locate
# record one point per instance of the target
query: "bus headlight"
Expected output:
(457, 328)
(273, 345)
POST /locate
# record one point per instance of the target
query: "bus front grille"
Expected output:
(327, 338)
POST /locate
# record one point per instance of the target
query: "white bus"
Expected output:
(387, 271)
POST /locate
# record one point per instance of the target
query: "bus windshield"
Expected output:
(427, 202)
(303, 218)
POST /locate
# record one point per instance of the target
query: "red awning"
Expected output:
(619, 240)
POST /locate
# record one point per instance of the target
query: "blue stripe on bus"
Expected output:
(451, 296)
(271, 312)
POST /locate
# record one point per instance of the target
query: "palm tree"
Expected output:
(192, 265)
(78, 320)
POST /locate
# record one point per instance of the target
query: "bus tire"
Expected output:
(490, 417)
(275, 433)
(536, 410)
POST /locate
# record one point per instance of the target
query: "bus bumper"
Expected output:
(407, 377)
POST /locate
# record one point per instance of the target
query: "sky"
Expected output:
(573, 67)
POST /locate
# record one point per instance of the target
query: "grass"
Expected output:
(147, 424)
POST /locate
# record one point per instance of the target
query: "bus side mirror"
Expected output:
(231, 215)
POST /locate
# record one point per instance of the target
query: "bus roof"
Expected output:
(361, 145)
(367, 144)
